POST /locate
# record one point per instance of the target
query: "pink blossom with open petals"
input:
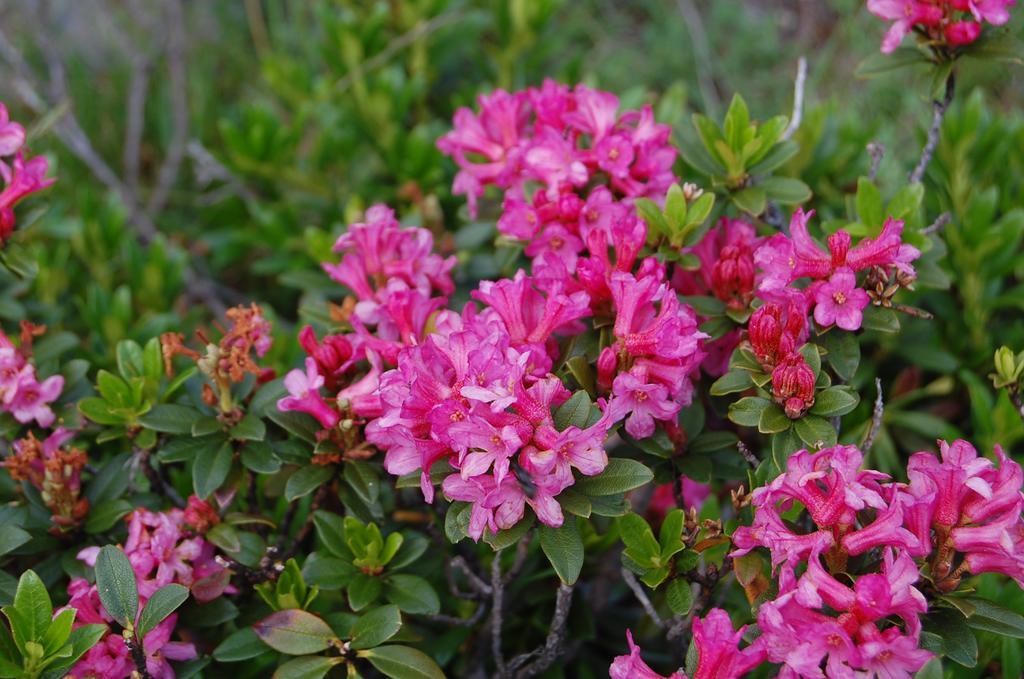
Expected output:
(839, 301)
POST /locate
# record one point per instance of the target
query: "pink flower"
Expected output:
(28, 399)
(496, 505)
(331, 355)
(962, 32)
(644, 402)
(24, 178)
(904, 14)
(995, 12)
(12, 135)
(595, 112)
(530, 316)
(614, 155)
(632, 666)
(727, 268)
(840, 301)
(551, 159)
(718, 654)
(304, 395)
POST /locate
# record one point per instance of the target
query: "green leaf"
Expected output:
(843, 352)
(619, 476)
(363, 590)
(776, 157)
(402, 662)
(641, 545)
(869, 204)
(307, 667)
(249, 428)
(12, 537)
(786, 190)
(210, 471)
(376, 627)
(170, 418)
(751, 199)
(882, 320)
(576, 412)
(652, 215)
(295, 632)
(958, 642)
(113, 389)
(747, 411)
(773, 420)
(224, 536)
(59, 631)
(115, 580)
(240, 645)
(164, 601)
(32, 602)
(732, 382)
(186, 449)
(815, 431)
(835, 401)
(412, 594)
(510, 536)
(103, 516)
(260, 458)
(362, 476)
(574, 503)
(80, 641)
(332, 533)
(564, 549)
(306, 480)
(679, 596)
(991, 617)
(670, 535)
(97, 410)
(878, 64)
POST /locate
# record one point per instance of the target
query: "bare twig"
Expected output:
(939, 108)
(638, 591)
(471, 621)
(702, 55)
(475, 581)
(939, 222)
(877, 151)
(747, 454)
(876, 418)
(157, 482)
(798, 100)
(497, 620)
(522, 550)
(178, 84)
(546, 655)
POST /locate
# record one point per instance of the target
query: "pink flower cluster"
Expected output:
(718, 653)
(952, 22)
(959, 513)
(162, 550)
(477, 393)
(21, 393)
(562, 139)
(399, 285)
(23, 175)
(833, 294)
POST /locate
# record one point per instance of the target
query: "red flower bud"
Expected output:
(330, 354)
(607, 364)
(732, 279)
(793, 385)
(962, 32)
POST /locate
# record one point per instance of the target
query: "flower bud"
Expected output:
(732, 279)
(793, 385)
(607, 364)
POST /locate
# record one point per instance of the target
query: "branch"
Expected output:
(546, 655)
(876, 418)
(938, 113)
(497, 601)
(877, 151)
(634, 585)
(747, 454)
(798, 100)
(939, 222)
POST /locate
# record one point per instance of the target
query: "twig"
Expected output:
(747, 454)
(938, 113)
(475, 581)
(876, 418)
(157, 482)
(1013, 391)
(522, 550)
(877, 151)
(798, 100)
(138, 654)
(552, 648)
(497, 601)
(178, 83)
(471, 621)
(634, 585)
(702, 55)
(940, 222)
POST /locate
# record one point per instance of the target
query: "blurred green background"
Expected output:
(209, 153)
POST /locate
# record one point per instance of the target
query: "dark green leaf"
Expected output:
(815, 431)
(958, 641)
(619, 476)
(402, 662)
(115, 580)
(375, 627)
(564, 549)
(306, 480)
(12, 537)
(170, 418)
(209, 471)
(249, 428)
(103, 516)
(164, 601)
(307, 667)
(241, 645)
(679, 596)
(747, 411)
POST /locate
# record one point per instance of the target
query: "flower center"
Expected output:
(839, 297)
